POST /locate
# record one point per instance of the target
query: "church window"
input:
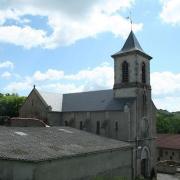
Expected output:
(97, 127)
(125, 72)
(66, 123)
(116, 126)
(81, 125)
(143, 72)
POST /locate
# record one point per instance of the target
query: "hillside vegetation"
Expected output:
(168, 122)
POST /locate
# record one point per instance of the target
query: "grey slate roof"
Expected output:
(85, 101)
(131, 45)
(45, 143)
(94, 101)
(52, 99)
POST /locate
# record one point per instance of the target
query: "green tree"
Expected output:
(168, 122)
(10, 104)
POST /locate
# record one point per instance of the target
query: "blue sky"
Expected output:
(65, 46)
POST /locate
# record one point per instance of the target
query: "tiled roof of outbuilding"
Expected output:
(39, 144)
(168, 141)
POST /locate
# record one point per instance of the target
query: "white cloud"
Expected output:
(26, 84)
(26, 36)
(6, 75)
(170, 11)
(100, 77)
(6, 64)
(62, 88)
(50, 74)
(170, 103)
(69, 22)
(165, 83)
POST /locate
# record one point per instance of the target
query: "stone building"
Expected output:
(125, 113)
(61, 153)
(168, 147)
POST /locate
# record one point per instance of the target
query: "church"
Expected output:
(125, 113)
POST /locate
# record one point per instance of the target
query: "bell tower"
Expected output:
(131, 69)
(132, 80)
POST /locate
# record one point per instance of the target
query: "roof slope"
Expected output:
(169, 141)
(131, 45)
(94, 101)
(38, 144)
(52, 99)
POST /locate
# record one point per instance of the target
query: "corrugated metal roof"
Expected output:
(94, 101)
(38, 144)
(52, 99)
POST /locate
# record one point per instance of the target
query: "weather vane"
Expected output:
(130, 19)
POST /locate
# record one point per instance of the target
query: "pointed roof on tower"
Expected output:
(131, 45)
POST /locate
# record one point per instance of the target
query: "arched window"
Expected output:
(143, 72)
(125, 72)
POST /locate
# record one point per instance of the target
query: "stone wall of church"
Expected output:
(33, 108)
(54, 118)
(113, 124)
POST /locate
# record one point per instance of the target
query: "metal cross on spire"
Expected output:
(130, 19)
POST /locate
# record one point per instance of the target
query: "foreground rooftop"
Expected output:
(46, 143)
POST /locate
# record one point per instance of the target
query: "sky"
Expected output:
(66, 46)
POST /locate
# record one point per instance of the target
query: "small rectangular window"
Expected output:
(160, 153)
(116, 126)
(81, 125)
(97, 127)
(66, 123)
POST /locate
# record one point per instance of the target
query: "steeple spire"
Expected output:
(131, 45)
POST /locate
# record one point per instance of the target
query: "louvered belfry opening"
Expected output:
(125, 72)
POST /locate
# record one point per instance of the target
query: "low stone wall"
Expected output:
(26, 122)
(168, 169)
